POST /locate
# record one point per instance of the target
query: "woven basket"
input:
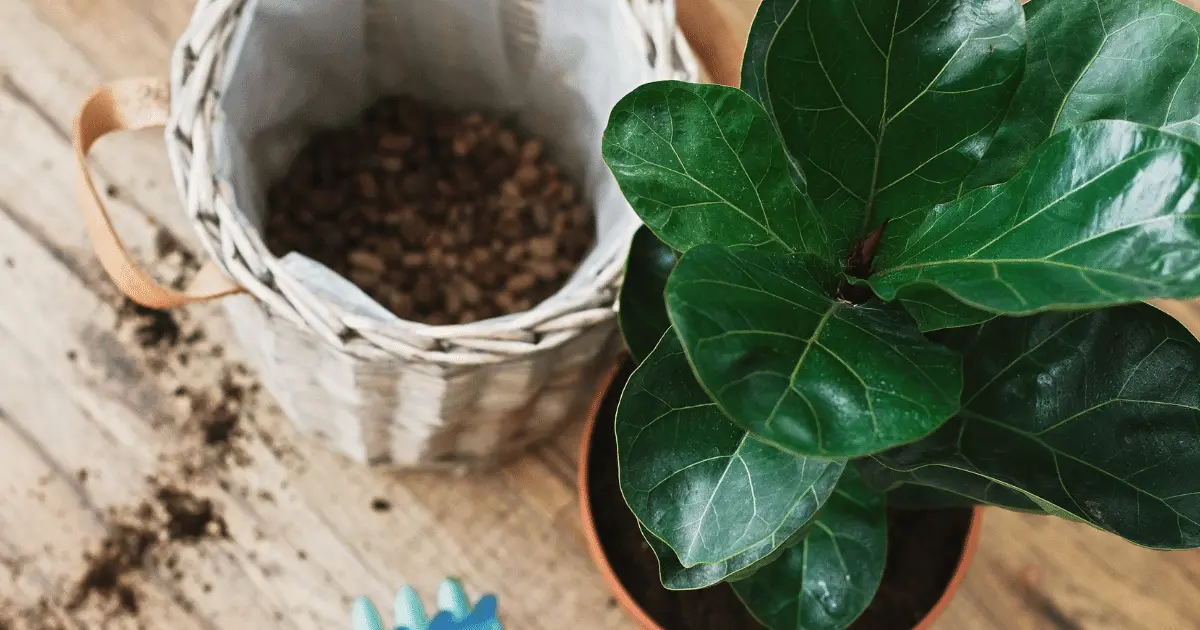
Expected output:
(402, 393)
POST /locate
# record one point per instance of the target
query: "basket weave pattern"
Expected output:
(399, 393)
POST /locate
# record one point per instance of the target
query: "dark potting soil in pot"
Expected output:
(442, 217)
(924, 548)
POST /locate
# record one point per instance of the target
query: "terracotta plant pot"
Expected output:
(627, 601)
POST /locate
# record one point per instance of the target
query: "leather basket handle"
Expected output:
(123, 105)
(142, 103)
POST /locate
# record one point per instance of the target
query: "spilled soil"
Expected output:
(164, 362)
(142, 536)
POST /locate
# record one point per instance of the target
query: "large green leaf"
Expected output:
(934, 309)
(828, 580)
(676, 577)
(970, 487)
(767, 20)
(807, 372)
(889, 104)
(643, 311)
(704, 164)
(766, 24)
(1099, 59)
(700, 484)
(1106, 213)
(913, 497)
(1094, 415)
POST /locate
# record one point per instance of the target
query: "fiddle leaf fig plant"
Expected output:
(905, 265)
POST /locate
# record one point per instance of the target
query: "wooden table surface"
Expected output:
(98, 416)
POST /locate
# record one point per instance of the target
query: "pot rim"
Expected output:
(643, 619)
(595, 550)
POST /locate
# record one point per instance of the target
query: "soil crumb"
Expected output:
(204, 405)
(142, 539)
(443, 217)
(220, 423)
(40, 616)
(121, 554)
(381, 505)
(190, 517)
(152, 328)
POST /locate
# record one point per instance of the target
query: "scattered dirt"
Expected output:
(189, 517)
(121, 553)
(41, 616)
(381, 505)
(183, 362)
(442, 217)
(138, 538)
(152, 328)
(207, 405)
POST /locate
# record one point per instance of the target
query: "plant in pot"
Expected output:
(906, 265)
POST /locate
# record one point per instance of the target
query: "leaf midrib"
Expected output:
(684, 173)
(1099, 49)
(1005, 261)
(812, 341)
(1058, 452)
(1027, 352)
(712, 496)
(1008, 231)
(884, 119)
(972, 470)
(800, 499)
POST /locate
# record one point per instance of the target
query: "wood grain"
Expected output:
(91, 421)
(77, 393)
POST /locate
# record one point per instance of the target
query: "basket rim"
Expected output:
(197, 65)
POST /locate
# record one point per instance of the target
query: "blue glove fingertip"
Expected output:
(363, 615)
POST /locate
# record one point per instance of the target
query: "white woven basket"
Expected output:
(402, 393)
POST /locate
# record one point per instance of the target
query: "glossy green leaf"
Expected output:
(828, 580)
(1095, 416)
(767, 20)
(698, 482)
(934, 309)
(676, 577)
(807, 372)
(1106, 213)
(912, 497)
(889, 104)
(1099, 59)
(643, 309)
(704, 164)
(970, 488)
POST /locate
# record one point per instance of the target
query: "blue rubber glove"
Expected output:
(363, 615)
(454, 611)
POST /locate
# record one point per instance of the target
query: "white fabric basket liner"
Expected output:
(287, 68)
(252, 80)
